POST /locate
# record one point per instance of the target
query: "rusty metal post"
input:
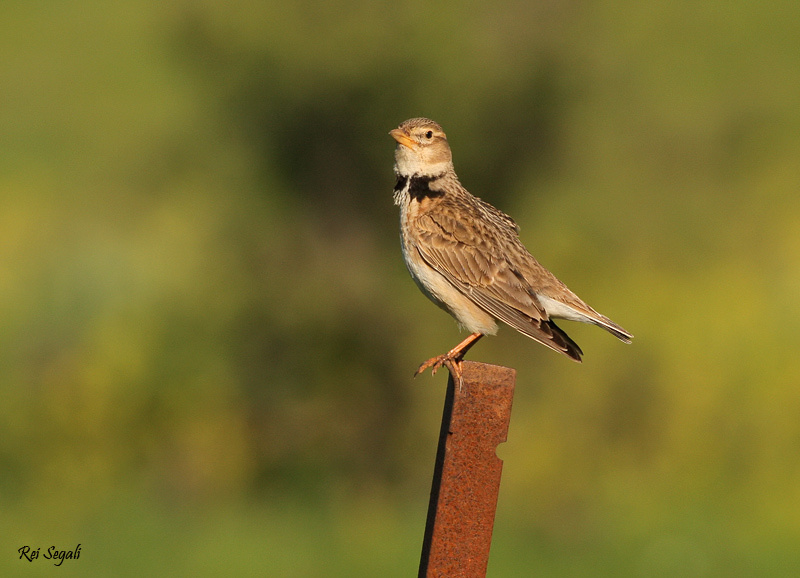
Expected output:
(466, 478)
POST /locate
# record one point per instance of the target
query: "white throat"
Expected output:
(408, 163)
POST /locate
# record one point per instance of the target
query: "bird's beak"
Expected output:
(403, 138)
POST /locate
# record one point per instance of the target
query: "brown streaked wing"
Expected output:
(471, 259)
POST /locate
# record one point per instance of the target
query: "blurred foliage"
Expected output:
(208, 332)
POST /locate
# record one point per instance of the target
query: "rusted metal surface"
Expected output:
(466, 479)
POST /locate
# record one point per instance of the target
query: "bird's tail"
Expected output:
(613, 328)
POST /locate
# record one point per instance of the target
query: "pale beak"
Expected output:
(403, 138)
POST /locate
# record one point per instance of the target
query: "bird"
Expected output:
(467, 257)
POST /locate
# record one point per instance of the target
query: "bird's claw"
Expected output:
(452, 363)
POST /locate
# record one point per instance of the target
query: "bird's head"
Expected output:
(422, 148)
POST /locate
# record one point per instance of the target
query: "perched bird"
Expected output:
(466, 256)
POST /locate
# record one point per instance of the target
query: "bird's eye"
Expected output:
(429, 134)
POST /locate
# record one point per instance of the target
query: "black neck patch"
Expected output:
(401, 182)
(418, 186)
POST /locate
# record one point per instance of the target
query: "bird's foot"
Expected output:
(453, 364)
(451, 359)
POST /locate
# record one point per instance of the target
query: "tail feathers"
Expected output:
(613, 329)
(577, 310)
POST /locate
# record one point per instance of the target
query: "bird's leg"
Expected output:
(451, 359)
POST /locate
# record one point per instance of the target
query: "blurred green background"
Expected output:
(208, 332)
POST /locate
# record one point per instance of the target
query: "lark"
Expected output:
(466, 256)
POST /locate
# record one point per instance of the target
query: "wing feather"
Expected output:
(471, 260)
